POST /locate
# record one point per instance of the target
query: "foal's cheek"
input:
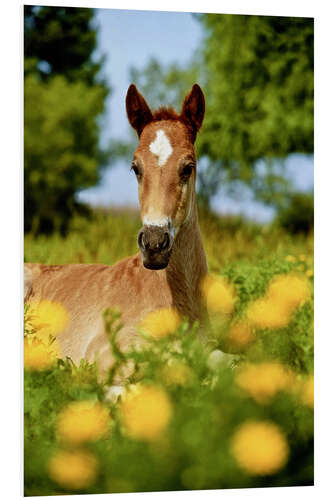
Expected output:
(188, 192)
(183, 204)
(140, 193)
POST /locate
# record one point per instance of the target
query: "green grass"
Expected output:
(105, 238)
(195, 451)
(112, 235)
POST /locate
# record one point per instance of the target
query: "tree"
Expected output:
(60, 148)
(257, 75)
(61, 41)
(63, 100)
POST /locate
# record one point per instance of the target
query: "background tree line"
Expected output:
(64, 97)
(257, 75)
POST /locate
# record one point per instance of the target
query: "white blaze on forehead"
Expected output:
(161, 147)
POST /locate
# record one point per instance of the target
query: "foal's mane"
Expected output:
(169, 113)
(166, 113)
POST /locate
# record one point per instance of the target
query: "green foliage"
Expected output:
(45, 393)
(194, 452)
(63, 100)
(103, 237)
(60, 148)
(257, 76)
(297, 216)
(110, 235)
(261, 106)
(60, 40)
(293, 345)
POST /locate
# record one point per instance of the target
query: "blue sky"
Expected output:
(132, 38)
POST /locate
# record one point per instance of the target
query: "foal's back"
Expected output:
(86, 290)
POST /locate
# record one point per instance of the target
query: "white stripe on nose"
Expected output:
(155, 221)
(161, 147)
(160, 222)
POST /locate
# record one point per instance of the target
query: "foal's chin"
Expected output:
(155, 266)
(155, 263)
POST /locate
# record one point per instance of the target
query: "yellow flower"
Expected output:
(219, 295)
(73, 469)
(240, 334)
(176, 373)
(262, 381)
(259, 447)
(308, 392)
(302, 257)
(83, 421)
(160, 323)
(145, 412)
(48, 318)
(284, 294)
(289, 289)
(266, 313)
(38, 355)
(290, 258)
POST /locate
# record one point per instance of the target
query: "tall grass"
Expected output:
(111, 235)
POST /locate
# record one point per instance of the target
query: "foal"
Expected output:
(171, 264)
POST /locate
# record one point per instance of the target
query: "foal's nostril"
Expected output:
(165, 242)
(141, 240)
(153, 240)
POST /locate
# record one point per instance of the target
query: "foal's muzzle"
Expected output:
(155, 243)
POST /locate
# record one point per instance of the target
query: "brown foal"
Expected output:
(171, 263)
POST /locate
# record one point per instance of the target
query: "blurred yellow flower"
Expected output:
(38, 355)
(73, 469)
(291, 258)
(219, 294)
(289, 289)
(284, 294)
(309, 273)
(48, 318)
(240, 334)
(266, 313)
(262, 381)
(145, 412)
(160, 323)
(176, 373)
(83, 421)
(302, 257)
(259, 447)
(308, 392)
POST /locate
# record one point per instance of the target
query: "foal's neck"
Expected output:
(187, 267)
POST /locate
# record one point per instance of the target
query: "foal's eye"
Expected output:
(136, 170)
(186, 171)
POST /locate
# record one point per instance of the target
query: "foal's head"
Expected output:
(165, 166)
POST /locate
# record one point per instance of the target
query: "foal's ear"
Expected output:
(193, 110)
(138, 112)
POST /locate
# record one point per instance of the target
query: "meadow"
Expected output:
(191, 417)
